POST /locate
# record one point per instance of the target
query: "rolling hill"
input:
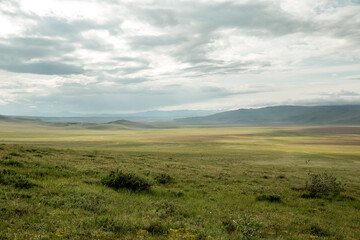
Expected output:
(279, 115)
(11, 119)
(143, 125)
(75, 125)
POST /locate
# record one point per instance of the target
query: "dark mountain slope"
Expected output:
(4, 118)
(349, 114)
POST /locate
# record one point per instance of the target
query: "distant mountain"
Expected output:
(4, 118)
(279, 115)
(172, 114)
(290, 115)
(149, 116)
(68, 125)
(114, 125)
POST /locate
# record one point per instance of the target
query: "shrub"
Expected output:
(305, 195)
(269, 198)
(21, 182)
(316, 230)
(248, 226)
(177, 194)
(7, 172)
(119, 179)
(9, 177)
(14, 154)
(12, 163)
(163, 178)
(157, 227)
(323, 185)
(166, 209)
(187, 233)
(77, 200)
(110, 225)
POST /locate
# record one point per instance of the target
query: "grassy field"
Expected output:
(218, 183)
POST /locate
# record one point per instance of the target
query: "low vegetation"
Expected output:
(269, 198)
(10, 177)
(245, 227)
(163, 178)
(119, 179)
(230, 183)
(323, 184)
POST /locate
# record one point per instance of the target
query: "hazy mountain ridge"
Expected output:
(347, 114)
(278, 115)
(149, 116)
(69, 125)
(132, 124)
(5, 118)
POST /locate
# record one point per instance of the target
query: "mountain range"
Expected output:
(283, 115)
(149, 116)
(278, 115)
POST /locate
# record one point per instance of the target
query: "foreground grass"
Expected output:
(222, 179)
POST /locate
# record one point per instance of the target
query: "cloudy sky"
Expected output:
(114, 56)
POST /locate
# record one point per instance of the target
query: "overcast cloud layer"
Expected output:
(112, 56)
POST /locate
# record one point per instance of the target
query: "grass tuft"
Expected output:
(269, 198)
(9, 177)
(248, 226)
(163, 178)
(12, 163)
(316, 230)
(109, 224)
(119, 179)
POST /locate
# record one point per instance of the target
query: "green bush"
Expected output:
(12, 163)
(269, 198)
(164, 209)
(157, 227)
(22, 182)
(119, 179)
(177, 194)
(247, 226)
(6, 157)
(163, 178)
(323, 184)
(109, 224)
(14, 154)
(316, 230)
(9, 177)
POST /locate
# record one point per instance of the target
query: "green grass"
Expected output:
(215, 183)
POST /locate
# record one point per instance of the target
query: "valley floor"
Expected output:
(217, 183)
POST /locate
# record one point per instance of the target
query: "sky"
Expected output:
(112, 56)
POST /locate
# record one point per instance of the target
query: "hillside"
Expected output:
(149, 116)
(132, 124)
(278, 115)
(348, 114)
(114, 125)
(4, 118)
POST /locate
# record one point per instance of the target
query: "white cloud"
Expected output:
(69, 9)
(58, 55)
